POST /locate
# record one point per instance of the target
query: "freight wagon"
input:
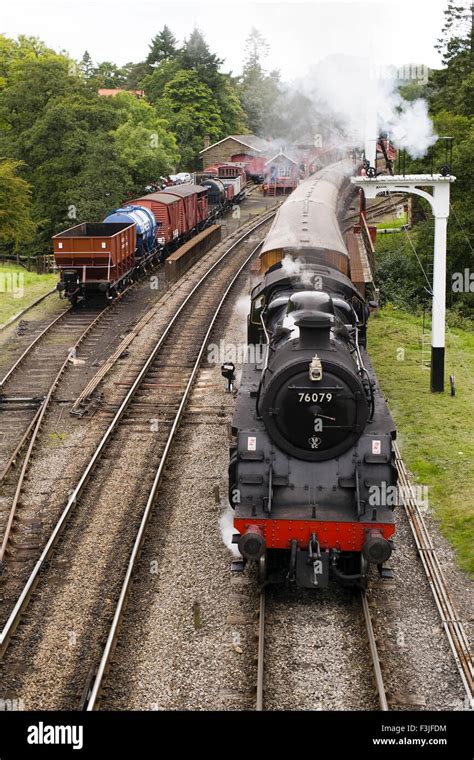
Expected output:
(95, 257)
(195, 204)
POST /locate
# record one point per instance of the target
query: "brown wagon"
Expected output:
(95, 256)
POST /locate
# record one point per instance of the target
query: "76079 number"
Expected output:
(314, 398)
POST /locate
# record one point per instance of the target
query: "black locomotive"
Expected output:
(312, 464)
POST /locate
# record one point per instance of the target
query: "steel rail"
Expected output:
(374, 654)
(260, 651)
(34, 429)
(23, 600)
(15, 317)
(115, 626)
(452, 624)
(95, 381)
(33, 426)
(30, 347)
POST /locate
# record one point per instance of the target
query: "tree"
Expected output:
(86, 65)
(450, 93)
(16, 225)
(144, 145)
(154, 84)
(99, 187)
(458, 32)
(108, 75)
(233, 116)
(163, 47)
(195, 62)
(59, 145)
(135, 74)
(256, 48)
(259, 91)
(81, 154)
(32, 82)
(189, 107)
(197, 56)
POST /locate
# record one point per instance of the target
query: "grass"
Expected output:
(19, 288)
(387, 223)
(434, 430)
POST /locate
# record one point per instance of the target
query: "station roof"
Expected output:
(281, 155)
(250, 141)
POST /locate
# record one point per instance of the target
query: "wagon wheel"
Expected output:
(262, 569)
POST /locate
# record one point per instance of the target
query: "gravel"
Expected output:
(88, 566)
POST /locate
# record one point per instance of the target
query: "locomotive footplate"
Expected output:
(312, 566)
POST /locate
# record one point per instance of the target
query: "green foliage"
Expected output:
(399, 275)
(98, 187)
(259, 91)
(450, 93)
(145, 147)
(154, 83)
(82, 154)
(197, 56)
(16, 225)
(163, 47)
(189, 107)
(192, 65)
(109, 76)
(86, 65)
(457, 33)
(32, 81)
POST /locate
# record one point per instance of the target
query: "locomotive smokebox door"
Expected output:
(312, 572)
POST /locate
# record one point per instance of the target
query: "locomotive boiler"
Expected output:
(312, 460)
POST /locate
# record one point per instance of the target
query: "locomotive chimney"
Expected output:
(315, 329)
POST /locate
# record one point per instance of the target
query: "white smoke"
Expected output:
(410, 126)
(242, 306)
(354, 94)
(226, 525)
(296, 268)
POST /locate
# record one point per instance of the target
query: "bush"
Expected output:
(399, 275)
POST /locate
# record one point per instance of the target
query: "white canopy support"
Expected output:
(439, 202)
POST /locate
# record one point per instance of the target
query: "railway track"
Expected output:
(107, 505)
(372, 645)
(27, 386)
(450, 618)
(381, 207)
(26, 392)
(30, 307)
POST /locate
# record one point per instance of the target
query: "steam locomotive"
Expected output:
(311, 461)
